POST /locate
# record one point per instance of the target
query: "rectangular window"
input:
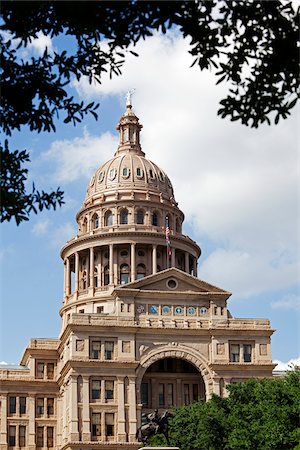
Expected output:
(247, 352)
(49, 437)
(39, 406)
(161, 394)
(186, 394)
(50, 371)
(40, 367)
(170, 394)
(109, 424)
(96, 349)
(40, 437)
(195, 393)
(100, 309)
(12, 436)
(109, 390)
(96, 389)
(235, 353)
(22, 405)
(96, 425)
(22, 436)
(109, 350)
(50, 406)
(145, 394)
(12, 405)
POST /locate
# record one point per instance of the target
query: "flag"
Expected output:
(168, 239)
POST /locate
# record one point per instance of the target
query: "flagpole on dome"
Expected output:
(168, 241)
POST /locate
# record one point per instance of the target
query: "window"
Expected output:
(125, 172)
(50, 406)
(95, 277)
(12, 405)
(247, 351)
(141, 253)
(49, 437)
(22, 405)
(195, 393)
(109, 350)
(39, 406)
(101, 176)
(100, 309)
(154, 219)
(96, 425)
(106, 276)
(112, 174)
(124, 274)
(234, 353)
(161, 394)
(124, 217)
(12, 436)
(50, 371)
(108, 219)
(140, 271)
(96, 389)
(22, 436)
(124, 253)
(139, 172)
(95, 221)
(109, 390)
(170, 394)
(186, 394)
(151, 173)
(79, 345)
(140, 217)
(40, 437)
(109, 424)
(145, 394)
(40, 367)
(95, 349)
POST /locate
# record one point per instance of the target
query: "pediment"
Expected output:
(181, 282)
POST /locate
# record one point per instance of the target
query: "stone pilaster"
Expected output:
(86, 433)
(132, 410)
(121, 434)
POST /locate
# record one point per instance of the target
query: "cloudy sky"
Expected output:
(238, 188)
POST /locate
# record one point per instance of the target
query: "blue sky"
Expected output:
(238, 188)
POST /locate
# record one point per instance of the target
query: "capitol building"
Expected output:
(139, 330)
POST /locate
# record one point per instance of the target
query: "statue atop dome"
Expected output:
(129, 95)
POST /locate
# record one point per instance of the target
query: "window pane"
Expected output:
(12, 436)
(96, 424)
(50, 371)
(235, 353)
(170, 394)
(109, 390)
(145, 394)
(96, 349)
(22, 405)
(49, 436)
(40, 370)
(161, 394)
(22, 436)
(109, 350)
(50, 406)
(109, 424)
(247, 351)
(96, 389)
(12, 405)
(40, 437)
(39, 406)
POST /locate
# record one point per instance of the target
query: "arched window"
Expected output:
(95, 221)
(124, 217)
(155, 219)
(95, 277)
(140, 271)
(84, 225)
(140, 217)
(124, 274)
(106, 276)
(108, 219)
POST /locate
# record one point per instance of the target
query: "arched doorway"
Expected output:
(171, 382)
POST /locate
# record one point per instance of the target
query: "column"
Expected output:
(195, 267)
(86, 434)
(187, 262)
(31, 422)
(68, 277)
(111, 264)
(173, 257)
(121, 433)
(132, 261)
(154, 258)
(73, 408)
(3, 422)
(76, 272)
(132, 410)
(92, 267)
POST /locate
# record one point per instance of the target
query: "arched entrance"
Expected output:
(171, 382)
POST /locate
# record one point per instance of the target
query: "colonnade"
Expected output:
(105, 271)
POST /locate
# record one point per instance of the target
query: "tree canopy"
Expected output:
(251, 45)
(258, 414)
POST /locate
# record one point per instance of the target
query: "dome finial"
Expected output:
(128, 98)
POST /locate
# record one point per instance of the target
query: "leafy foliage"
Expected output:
(251, 45)
(258, 414)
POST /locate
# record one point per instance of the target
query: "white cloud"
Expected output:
(291, 301)
(79, 157)
(62, 234)
(41, 227)
(237, 186)
(40, 43)
(287, 365)
(3, 363)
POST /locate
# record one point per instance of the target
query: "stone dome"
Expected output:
(129, 169)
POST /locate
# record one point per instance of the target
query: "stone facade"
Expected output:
(139, 329)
